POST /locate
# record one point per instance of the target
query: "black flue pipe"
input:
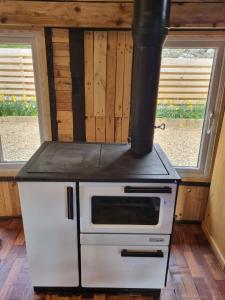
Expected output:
(150, 27)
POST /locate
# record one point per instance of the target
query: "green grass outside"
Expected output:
(28, 107)
(180, 111)
(18, 108)
(15, 46)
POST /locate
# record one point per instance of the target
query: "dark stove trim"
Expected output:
(69, 291)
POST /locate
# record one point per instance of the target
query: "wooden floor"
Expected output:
(193, 273)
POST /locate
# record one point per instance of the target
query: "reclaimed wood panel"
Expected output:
(108, 78)
(65, 126)
(214, 222)
(105, 15)
(100, 44)
(63, 83)
(100, 129)
(120, 73)
(66, 14)
(9, 199)
(89, 72)
(191, 203)
(127, 74)
(194, 272)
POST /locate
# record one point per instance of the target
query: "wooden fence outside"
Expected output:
(182, 81)
(16, 74)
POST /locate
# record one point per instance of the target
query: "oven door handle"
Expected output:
(70, 202)
(147, 189)
(137, 253)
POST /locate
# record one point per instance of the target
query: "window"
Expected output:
(189, 102)
(24, 107)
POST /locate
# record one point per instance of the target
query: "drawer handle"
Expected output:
(156, 190)
(70, 202)
(136, 253)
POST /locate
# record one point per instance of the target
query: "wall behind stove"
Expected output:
(108, 64)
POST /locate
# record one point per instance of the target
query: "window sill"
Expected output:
(10, 169)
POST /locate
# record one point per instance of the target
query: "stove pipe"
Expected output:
(150, 27)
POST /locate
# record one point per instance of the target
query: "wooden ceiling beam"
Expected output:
(100, 14)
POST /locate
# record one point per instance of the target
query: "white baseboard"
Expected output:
(214, 246)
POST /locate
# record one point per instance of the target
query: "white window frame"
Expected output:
(215, 99)
(37, 41)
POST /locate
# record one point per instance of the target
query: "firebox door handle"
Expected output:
(155, 190)
(70, 202)
(136, 253)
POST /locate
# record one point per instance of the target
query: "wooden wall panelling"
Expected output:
(100, 50)
(111, 85)
(120, 73)
(100, 45)
(127, 85)
(108, 67)
(105, 15)
(63, 83)
(9, 199)
(191, 203)
(89, 85)
(214, 222)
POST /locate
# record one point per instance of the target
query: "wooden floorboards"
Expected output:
(193, 272)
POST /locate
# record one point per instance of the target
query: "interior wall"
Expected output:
(108, 64)
(214, 222)
(9, 199)
(108, 67)
(63, 84)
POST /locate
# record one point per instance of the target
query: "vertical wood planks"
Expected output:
(111, 85)
(191, 202)
(108, 68)
(63, 83)
(120, 74)
(100, 43)
(89, 73)
(9, 199)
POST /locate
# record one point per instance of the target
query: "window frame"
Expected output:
(215, 100)
(37, 41)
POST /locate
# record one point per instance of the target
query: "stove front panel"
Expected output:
(127, 207)
(116, 266)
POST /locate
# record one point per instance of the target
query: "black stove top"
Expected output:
(96, 162)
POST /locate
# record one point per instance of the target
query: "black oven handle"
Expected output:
(70, 202)
(147, 189)
(137, 253)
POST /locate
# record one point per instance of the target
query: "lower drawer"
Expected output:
(123, 266)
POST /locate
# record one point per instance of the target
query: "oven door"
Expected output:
(127, 207)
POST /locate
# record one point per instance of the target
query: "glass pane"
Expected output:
(182, 101)
(19, 128)
(125, 210)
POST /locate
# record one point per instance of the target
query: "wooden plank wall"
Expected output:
(9, 199)
(114, 14)
(108, 61)
(191, 203)
(63, 84)
(214, 222)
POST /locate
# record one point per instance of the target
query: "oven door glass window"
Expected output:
(125, 210)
